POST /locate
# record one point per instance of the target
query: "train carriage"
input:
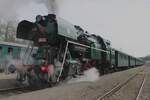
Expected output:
(139, 62)
(122, 59)
(8, 51)
(132, 61)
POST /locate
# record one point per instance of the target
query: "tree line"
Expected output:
(146, 58)
(8, 32)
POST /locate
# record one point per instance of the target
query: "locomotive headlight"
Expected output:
(44, 69)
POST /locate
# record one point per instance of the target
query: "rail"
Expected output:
(11, 89)
(118, 87)
(141, 88)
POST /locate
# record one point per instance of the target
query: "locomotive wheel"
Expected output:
(37, 83)
(20, 77)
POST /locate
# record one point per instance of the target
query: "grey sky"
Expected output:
(124, 22)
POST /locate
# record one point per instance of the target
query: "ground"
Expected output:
(7, 80)
(82, 90)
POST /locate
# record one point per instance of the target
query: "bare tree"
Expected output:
(9, 31)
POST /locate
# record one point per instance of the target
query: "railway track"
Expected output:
(15, 91)
(117, 91)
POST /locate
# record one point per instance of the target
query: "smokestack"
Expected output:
(52, 6)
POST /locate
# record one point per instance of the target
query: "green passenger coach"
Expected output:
(9, 51)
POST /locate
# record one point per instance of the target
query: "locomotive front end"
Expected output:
(43, 34)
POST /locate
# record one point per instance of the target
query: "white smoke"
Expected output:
(38, 7)
(27, 9)
(90, 75)
(51, 6)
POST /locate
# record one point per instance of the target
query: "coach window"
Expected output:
(10, 51)
(0, 51)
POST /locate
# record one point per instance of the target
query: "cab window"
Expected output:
(0, 51)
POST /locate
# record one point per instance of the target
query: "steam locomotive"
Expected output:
(66, 50)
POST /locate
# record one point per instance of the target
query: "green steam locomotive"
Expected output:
(66, 50)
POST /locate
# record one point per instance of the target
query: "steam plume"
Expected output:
(52, 6)
(90, 75)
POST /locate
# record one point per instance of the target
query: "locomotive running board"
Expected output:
(71, 42)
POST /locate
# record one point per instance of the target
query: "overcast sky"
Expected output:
(126, 23)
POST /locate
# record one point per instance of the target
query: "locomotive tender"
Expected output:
(66, 50)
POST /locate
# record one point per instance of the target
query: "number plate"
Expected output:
(42, 40)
